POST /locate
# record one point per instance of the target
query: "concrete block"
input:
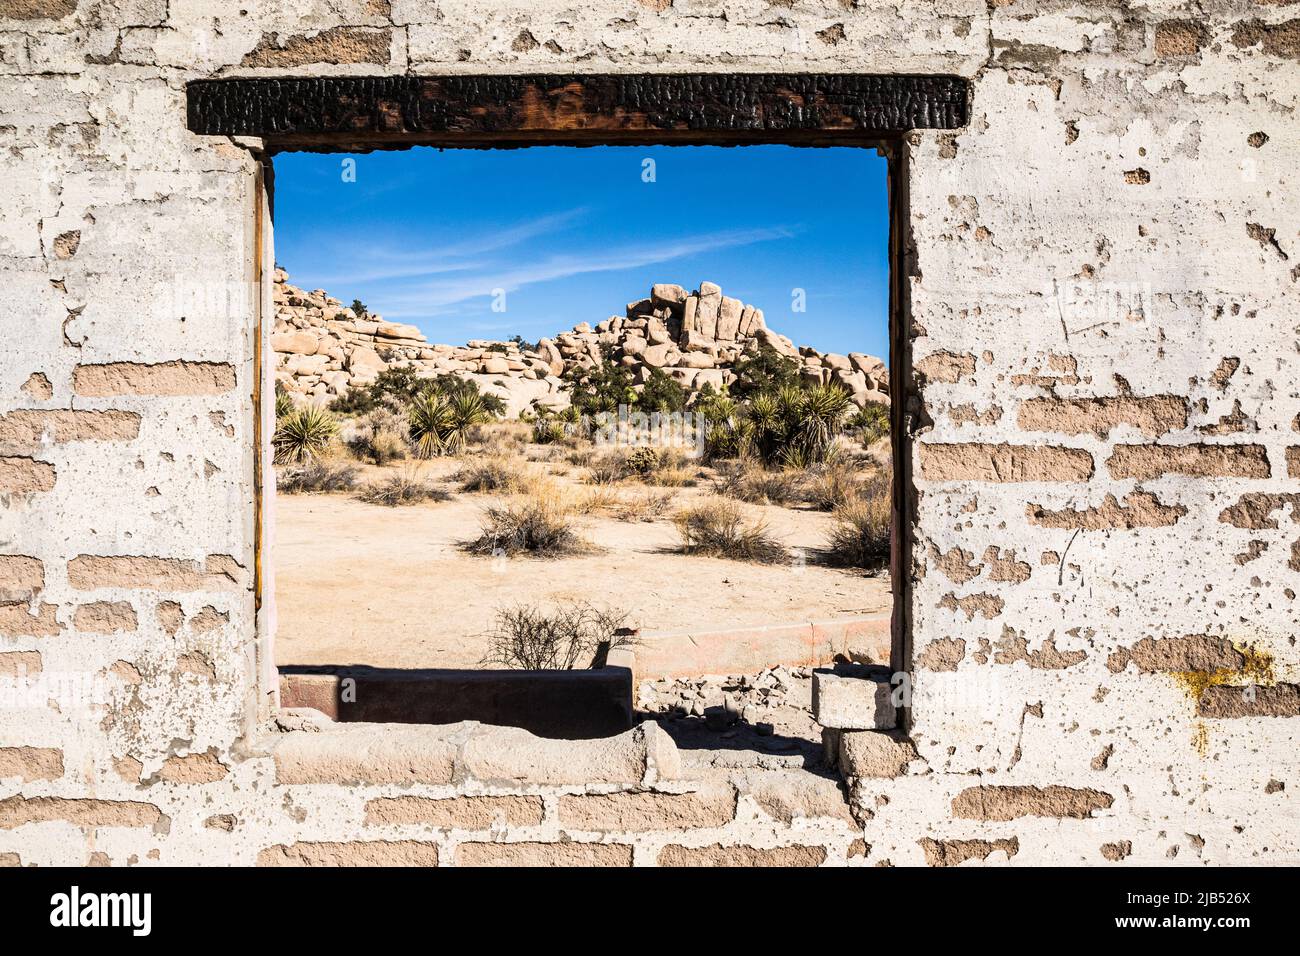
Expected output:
(854, 701)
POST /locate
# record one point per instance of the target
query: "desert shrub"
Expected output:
(599, 498)
(495, 474)
(404, 488)
(644, 507)
(832, 484)
(581, 455)
(794, 427)
(860, 535)
(759, 485)
(870, 424)
(672, 476)
(642, 461)
(661, 393)
(602, 387)
(548, 430)
(399, 386)
(717, 528)
(440, 423)
(319, 475)
(728, 433)
(766, 371)
(380, 436)
(283, 403)
(607, 469)
(540, 524)
(304, 434)
(523, 343)
(500, 437)
(572, 635)
(359, 309)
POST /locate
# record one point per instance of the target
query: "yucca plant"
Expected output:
(430, 420)
(820, 418)
(440, 424)
(467, 411)
(283, 404)
(547, 431)
(304, 434)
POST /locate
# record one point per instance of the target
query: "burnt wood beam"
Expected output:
(495, 110)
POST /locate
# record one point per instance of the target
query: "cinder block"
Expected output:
(853, 702)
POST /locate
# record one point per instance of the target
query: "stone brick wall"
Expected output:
(1103, 290)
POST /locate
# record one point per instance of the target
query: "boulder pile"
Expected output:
(324, 349)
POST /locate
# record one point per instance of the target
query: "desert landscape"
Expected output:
(681, 479)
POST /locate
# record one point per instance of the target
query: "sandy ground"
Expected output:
(359, 583)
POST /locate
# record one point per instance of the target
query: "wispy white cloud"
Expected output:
(383, 259)
(408, 300)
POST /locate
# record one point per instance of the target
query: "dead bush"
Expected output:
(608, 469)
(496, 474)
(834, 485)
(380, 436)
(572, 635)
(539, 524)
(760, 486)
(644, 507)
(718, 528)
(406, 487)
(860, 535)
(320, 475)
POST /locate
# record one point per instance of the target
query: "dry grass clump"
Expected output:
(599, 498)
(575, 634)
(582, 455)
(644, 507)
(380, 436)
(539, 524)
(717, 528)
(319, 475)
(760, 486)
(608, 468)
(860, 535)
(501, 474)
(834, 485)
(673, 477)
(501, 438)
(403, 488)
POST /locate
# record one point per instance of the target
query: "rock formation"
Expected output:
(696, 337)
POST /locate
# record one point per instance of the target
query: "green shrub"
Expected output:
(283, 403)
(359, 309)
(601, 388)
(304, 434)
(548, 430)
(399, 386)
(767, 371)
(718, 529)
(644, 460)
(661, 393)
(870, 424)
(440, 423)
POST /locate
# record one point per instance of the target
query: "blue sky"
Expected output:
(572, 235)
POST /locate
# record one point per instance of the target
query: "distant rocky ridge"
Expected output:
(323, 349)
